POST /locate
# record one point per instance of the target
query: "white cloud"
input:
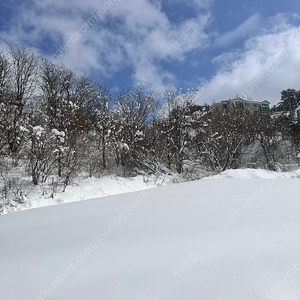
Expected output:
(132, 33)
(251, 25)
(268, 64)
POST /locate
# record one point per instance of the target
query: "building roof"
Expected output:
(241, 99)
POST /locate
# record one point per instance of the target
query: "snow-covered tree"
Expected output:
(132, 111)
(178, 125)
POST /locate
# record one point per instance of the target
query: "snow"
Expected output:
(255, 174)
(219, 238)
(57, 133)
(88, 188)
(22, 128)
(37, 130)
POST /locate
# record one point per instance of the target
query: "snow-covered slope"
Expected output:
(208, 239)
(86, 188)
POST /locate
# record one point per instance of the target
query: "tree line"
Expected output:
(56, 123)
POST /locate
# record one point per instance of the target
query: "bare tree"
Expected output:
(178, 125)
(4, 75)
(103, 122)
(24, 72)
(4, 99)
(133, 110)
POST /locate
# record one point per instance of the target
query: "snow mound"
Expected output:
(255, 174)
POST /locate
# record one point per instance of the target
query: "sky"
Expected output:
(219, 48)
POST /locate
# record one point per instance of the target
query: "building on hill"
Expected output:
(248, 106)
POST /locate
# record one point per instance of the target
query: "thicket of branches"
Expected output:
(56, 123)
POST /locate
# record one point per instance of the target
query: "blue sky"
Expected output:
(220, 48)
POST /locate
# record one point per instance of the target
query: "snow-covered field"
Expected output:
(223, 238)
